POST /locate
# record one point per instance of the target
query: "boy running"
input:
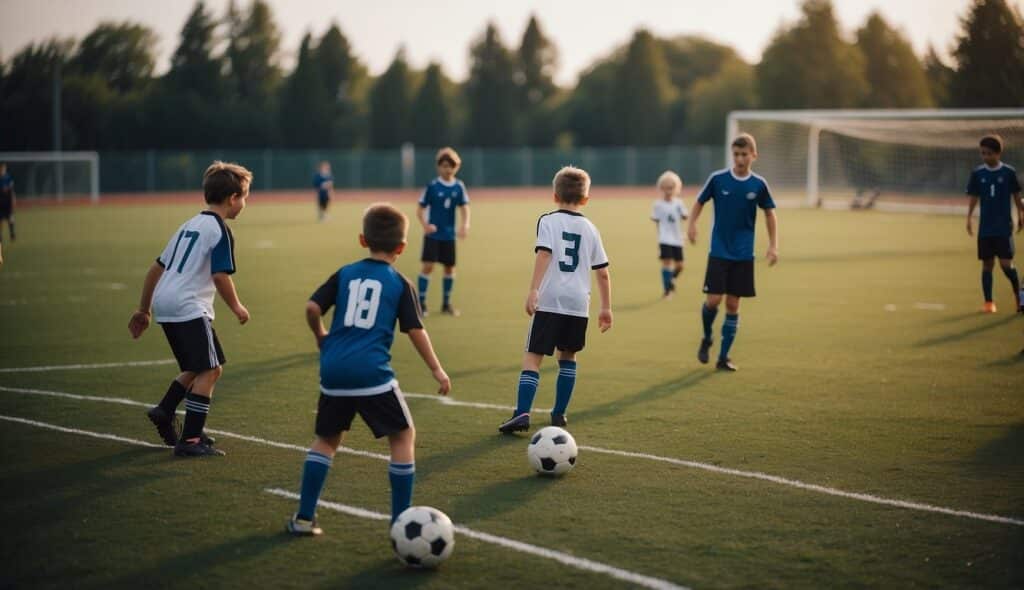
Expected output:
(323, 181)
(667, 213)
(436, 213)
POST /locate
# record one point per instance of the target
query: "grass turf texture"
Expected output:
(835, 390)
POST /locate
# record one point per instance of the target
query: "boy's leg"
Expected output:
(708, 313)
(177, 391)
(423, 282)
(666, 275)
(447, 284)
(564, 386)
(402, 469)
(314, 474)
(197, 406)
(163, 414)
(986, 281)
(1011, 275)
(729, 328)
(529, 379)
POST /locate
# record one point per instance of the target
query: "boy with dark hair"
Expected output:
(995, 184)
(437, 215)
(568, 247)
(738, 194)
(355, 362)
(7, 201)
(323, 181)
(178, 293)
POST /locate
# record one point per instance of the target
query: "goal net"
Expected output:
(914, 159)
(54, 175)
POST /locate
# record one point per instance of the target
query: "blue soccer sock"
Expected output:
(708, 315)
(446, 287)
(986, 285)
(528, 382)
(1011, 274)
(729, 327)
(564, 386)
(422, 283)
(666, 278)
(314, 474)
(403, 477)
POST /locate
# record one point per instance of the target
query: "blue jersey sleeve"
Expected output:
(1014, 182)
(764, 197)
(326, 294)
(463, 195)
(222, 258)
(708, 191)
(972, 185)
(423, 197)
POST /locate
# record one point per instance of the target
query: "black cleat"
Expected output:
(207, 439)
(515, 424)
(423, 309)
(449, 310)
(559, 420)
(167, 425)
(196, 449)
(726, 365)
(702, 352)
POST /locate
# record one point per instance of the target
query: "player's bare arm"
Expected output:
(421, 214)
(226, 289)
(141, 317)
(771, 221)
(691, 226)
(464, 226)
(604, 287)
(314, 319)
(540, 266)
(971, 205)
(1018, 199)
(421, 341)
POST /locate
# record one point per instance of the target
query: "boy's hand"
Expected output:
(429, 228)
(138, 323)
(691, 233)
(463, 232)
(1020, 223)
(604, 320)
(773, 255)
(320, 339)
(970, 230)
(241, 313)
(443, 380)
(531, 302)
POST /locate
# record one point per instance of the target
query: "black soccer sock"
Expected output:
(1011, 273)
(10, 225)
(175, 393)
(196, 409)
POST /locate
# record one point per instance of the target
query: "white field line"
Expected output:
(563, 558)
(930, 306)
(444, 400)
(906, 504)
(78, 367)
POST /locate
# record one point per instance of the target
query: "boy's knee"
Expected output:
(428, 267)
(211, 374)
(449, 271)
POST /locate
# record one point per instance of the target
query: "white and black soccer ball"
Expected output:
(552, 451)
(422, 537)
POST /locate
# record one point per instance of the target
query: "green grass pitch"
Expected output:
(864, 367)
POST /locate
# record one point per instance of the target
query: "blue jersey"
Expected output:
(440, 198)
(355, 357)
(994, 188)
(6, 190)
(736, 203)
(322, 184)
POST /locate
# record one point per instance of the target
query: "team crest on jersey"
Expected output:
(751, 196)
(725, 193)
(999, 180)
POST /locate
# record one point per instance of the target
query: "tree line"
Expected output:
(226, 87)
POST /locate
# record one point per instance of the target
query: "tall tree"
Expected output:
(119, 53)
(305, 116)
(537, 59)
(28, 91)
(491, 93)
(712, 98)
(194, 66)
(253, 52)
(895, 76)
(643, 93)
(431, 125)
(939, 77)
(389, 105)
(809, 65)
(341, 73)
(990, 57)
(592, 118)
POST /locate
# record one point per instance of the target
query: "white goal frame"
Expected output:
(91, 158)
(818, 120)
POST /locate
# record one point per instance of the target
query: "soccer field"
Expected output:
(873, 437)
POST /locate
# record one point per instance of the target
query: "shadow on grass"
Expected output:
(1016, 358)
(1001, 453)
(440, 462)
(501, 496)
(389, 573)
(871, 255)
(963, 334)
(654, 392)
(638, 306)
(958, 317)
(252, 372)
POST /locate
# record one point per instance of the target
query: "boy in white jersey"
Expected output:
(568, 247)
(668, 211)
(178, 291)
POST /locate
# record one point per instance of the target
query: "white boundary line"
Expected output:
(78, 367)
(444, 400)
(563, 558)
(906, 504)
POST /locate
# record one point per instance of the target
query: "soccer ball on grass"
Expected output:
(422, 537)
(552, 451)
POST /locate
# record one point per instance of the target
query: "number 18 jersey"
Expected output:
(355, 357)
(576, 249)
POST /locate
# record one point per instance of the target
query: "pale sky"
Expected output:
(442, 30)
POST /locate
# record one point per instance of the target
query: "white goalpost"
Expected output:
(912, 158)
(54, 174)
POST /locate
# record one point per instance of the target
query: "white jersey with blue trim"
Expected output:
(201, 247)
(576, 249)
(668, 214)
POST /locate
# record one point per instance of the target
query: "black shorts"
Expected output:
(732, 277)
(442, 251)
(549, 331)
(995, 247)
(385, 413)
(194, 344)
(323, 199)
(673, 252)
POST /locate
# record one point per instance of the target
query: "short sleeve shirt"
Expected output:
(736, 203)
(576, 249)
(994, 188)
(668, 214)
(440, 198)
(202, 247)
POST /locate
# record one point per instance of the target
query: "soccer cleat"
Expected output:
(167, 425)
(423, 309)
(667, 294)
(196, 449)
(559, 420)
(989, 307)
(702, 353)
(515, 424)
(303, 528)
(207, 439)
(449, 310)
(726, 365)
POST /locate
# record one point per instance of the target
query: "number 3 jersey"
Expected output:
(201, 247)
(576, 249)
(355, 357)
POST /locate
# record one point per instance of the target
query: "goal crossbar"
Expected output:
(91, 158)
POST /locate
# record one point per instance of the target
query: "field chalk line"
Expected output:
(79, 367)
(862, 497)
(563, 558)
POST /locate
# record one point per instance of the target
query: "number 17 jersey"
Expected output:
(355, 357)
(576, 249)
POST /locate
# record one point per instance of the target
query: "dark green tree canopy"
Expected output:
(431, 126)
(939, 77)
(491, 93)
(195, 66)
(990, 57)
(119, 53)
(389, 105)
(642, 94)
(895, 76)
(305, 106)
(253, 52)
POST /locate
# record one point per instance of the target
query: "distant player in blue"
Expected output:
(323, 181)
(7, 201)
(737, 193)
(436, 213)
(995, 184)
(355, 362)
